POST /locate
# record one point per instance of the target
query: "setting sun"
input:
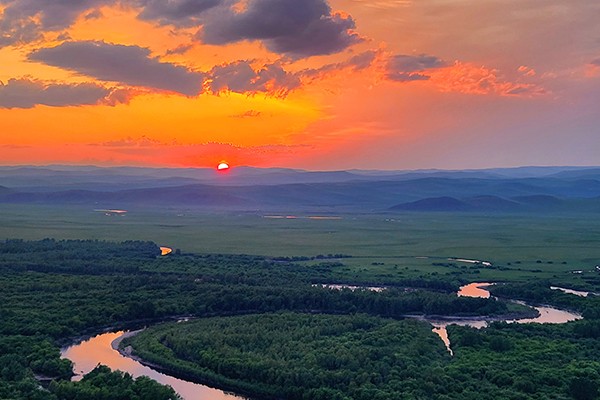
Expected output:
(223, 166)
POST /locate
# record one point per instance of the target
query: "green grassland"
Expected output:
(521, 246)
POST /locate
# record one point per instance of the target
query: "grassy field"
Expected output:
(535, 245)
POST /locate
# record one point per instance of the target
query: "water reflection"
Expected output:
(475, 289)
(99, 350)
(439, 328)
(351, 287)
(571, 291)
(547, 315)
(165, 250)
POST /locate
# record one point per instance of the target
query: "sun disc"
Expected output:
(223, 166)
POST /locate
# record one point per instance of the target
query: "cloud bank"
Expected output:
(128, 65)
(181, 13)
(297, 28)
(24, 21)
(27, 93)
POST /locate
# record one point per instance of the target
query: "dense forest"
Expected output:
(55, 291)
(300, 356)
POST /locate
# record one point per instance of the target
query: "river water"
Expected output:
(165, 250)
(548, 315)
(101, 349)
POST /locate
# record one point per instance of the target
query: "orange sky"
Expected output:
(388, 84)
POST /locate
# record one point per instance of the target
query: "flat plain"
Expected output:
(519, 246)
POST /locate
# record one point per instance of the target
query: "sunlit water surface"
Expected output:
(99, 350)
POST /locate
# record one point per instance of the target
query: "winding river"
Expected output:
(101, 349)
(547, 315)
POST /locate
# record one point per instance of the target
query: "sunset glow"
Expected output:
(393, 85)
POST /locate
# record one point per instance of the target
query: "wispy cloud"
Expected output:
(248, 114)
(472, 79)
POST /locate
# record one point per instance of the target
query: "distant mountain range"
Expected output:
(525, 189)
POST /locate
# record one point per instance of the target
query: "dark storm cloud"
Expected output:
(26, 93)
(406, 68)
(298, 28)
(175, 12)
(129, 65)
(240, 77)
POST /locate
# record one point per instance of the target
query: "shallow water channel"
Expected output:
(100, 349)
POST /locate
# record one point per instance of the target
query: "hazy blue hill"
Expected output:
(483, 203)
(410, 175)
(199, 195)
(434, 204)
(587, 173)
(490, 173)
(492, 203)
(46, 180)
(247, 188)
(196, 195)
(533, 171)
(38, 179)
(249, 176)
(538, 200)
(66, 197)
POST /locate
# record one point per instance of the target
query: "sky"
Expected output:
(312, 84)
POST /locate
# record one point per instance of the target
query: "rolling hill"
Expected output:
(534, 189)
